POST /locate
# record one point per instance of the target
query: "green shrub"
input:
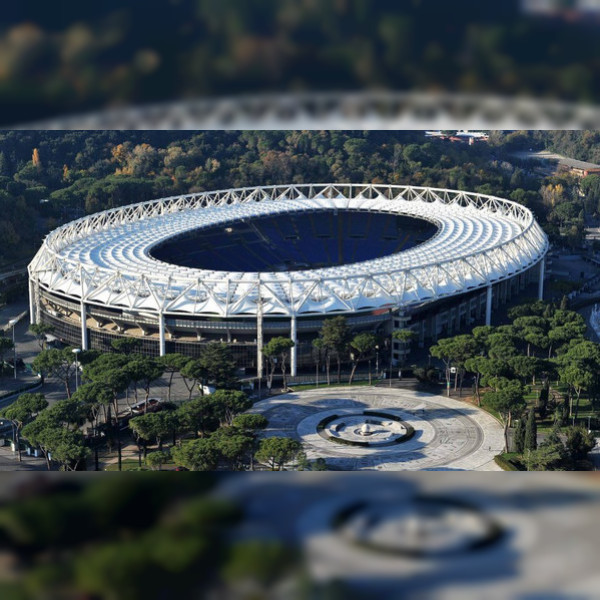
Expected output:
(505, 464)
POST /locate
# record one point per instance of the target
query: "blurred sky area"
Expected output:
(70, 57)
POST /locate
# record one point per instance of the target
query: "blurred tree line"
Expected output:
(80, 55)
(135, 538)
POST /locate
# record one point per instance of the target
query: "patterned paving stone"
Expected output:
(449, 434)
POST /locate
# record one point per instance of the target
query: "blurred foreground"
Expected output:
(366, 110)
(308, 535)
(284, 63)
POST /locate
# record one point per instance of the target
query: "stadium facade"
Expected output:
(243, 265)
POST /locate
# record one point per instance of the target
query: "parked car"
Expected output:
(20, 364)
(154, 405)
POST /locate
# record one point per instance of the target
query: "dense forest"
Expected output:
(78, 56)
(582, 145)
(47, 178)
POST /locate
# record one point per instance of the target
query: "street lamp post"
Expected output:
(76, 352)
(13, 322)
(377, 361)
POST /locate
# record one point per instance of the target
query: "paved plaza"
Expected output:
(449, 434)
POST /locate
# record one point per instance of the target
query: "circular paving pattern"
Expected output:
(406, 430)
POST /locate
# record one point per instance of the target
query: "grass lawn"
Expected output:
(132, 464)
(509, 461)
(546, 425)
(127, 464)
(492, 412)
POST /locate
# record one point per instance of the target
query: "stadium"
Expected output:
(244, 265)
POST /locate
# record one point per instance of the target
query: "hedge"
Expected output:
(505, 465)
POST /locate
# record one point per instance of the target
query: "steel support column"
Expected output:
(161, 334)
(32, 315)
(294, 351)
(259, 336)
(488, 306)
(84, 331)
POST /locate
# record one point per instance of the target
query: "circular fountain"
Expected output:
(420, 526)
(365, 428)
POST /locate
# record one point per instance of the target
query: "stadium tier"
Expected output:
(295, 241)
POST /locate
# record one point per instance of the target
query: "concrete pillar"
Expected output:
(32, 315)
(541, 281)
(294, 351)
(421, 333)
(161, 334)
(84, 331)
(488, 306)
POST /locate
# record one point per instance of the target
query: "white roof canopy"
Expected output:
(104, 259)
